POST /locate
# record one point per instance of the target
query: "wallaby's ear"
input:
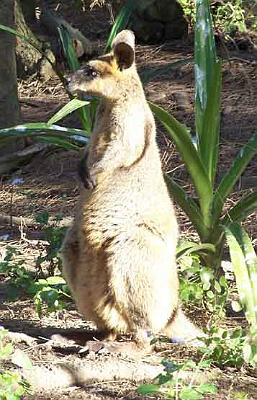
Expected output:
(124, 49)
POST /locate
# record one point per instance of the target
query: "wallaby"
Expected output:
(119, 254)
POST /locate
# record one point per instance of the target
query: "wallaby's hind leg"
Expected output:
(181, 330)
(69, 255)
(144, 284)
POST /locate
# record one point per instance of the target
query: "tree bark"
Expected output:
(29, 60)
(9, 105)
(29, 10)
(27, 57)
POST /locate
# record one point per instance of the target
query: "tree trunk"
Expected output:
(29, 60)
(27, 57)
(9, 105)
(29, 10)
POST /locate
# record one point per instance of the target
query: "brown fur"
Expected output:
(119, 254)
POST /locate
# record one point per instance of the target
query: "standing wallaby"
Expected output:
(119, 254)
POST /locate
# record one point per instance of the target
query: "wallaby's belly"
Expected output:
(129, 205)
(124, 272)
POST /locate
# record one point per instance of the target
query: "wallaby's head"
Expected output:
(109, 75)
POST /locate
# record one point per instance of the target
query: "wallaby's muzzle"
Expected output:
(75, 80)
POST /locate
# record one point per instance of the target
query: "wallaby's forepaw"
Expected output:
(87, 177)
(89, 182)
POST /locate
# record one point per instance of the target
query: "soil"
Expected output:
(49, 184)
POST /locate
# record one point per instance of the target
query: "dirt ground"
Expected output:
(49, 183)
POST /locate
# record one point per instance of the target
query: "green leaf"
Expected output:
(187, 204)
(205, 54)
(170, 366)
(68, 48)
(188, 393)
(237, 333)
(191, 248)
(148, 388)
(210, 125)
(206, 276)
(207, 388)
(56, 141)
(207, 89)
(38, 128)
(42, 282)
(73, 63)
(42, 217)
(120, 22)
(6, 350)
(230, 178)
(243, 208)
(244, 262)
(210, 294)
(217, 287)
(3, 332)
(55, 134)
(186, 149)
(55, 280)
(73, 105)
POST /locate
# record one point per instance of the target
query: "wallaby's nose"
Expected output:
(68, 78)
(71, 81)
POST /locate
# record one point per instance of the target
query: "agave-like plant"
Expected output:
(200, 153)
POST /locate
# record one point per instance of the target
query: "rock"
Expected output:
(170, 12)
(175, 30)
(152, 13)
(154, 21)
(152, 32)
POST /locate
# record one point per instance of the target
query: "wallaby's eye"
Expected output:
(89, 72)
(92, 72)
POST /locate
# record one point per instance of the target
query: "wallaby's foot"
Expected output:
(142, 339)
(182, 331)
(106, 335)
(139, 345)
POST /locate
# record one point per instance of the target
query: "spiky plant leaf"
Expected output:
(231, 177)
(120, 22)
(244, 207)
(244, 262)
(73, 105)
(73, 63)
(207, 89)
(68, 138)
(188, 152)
